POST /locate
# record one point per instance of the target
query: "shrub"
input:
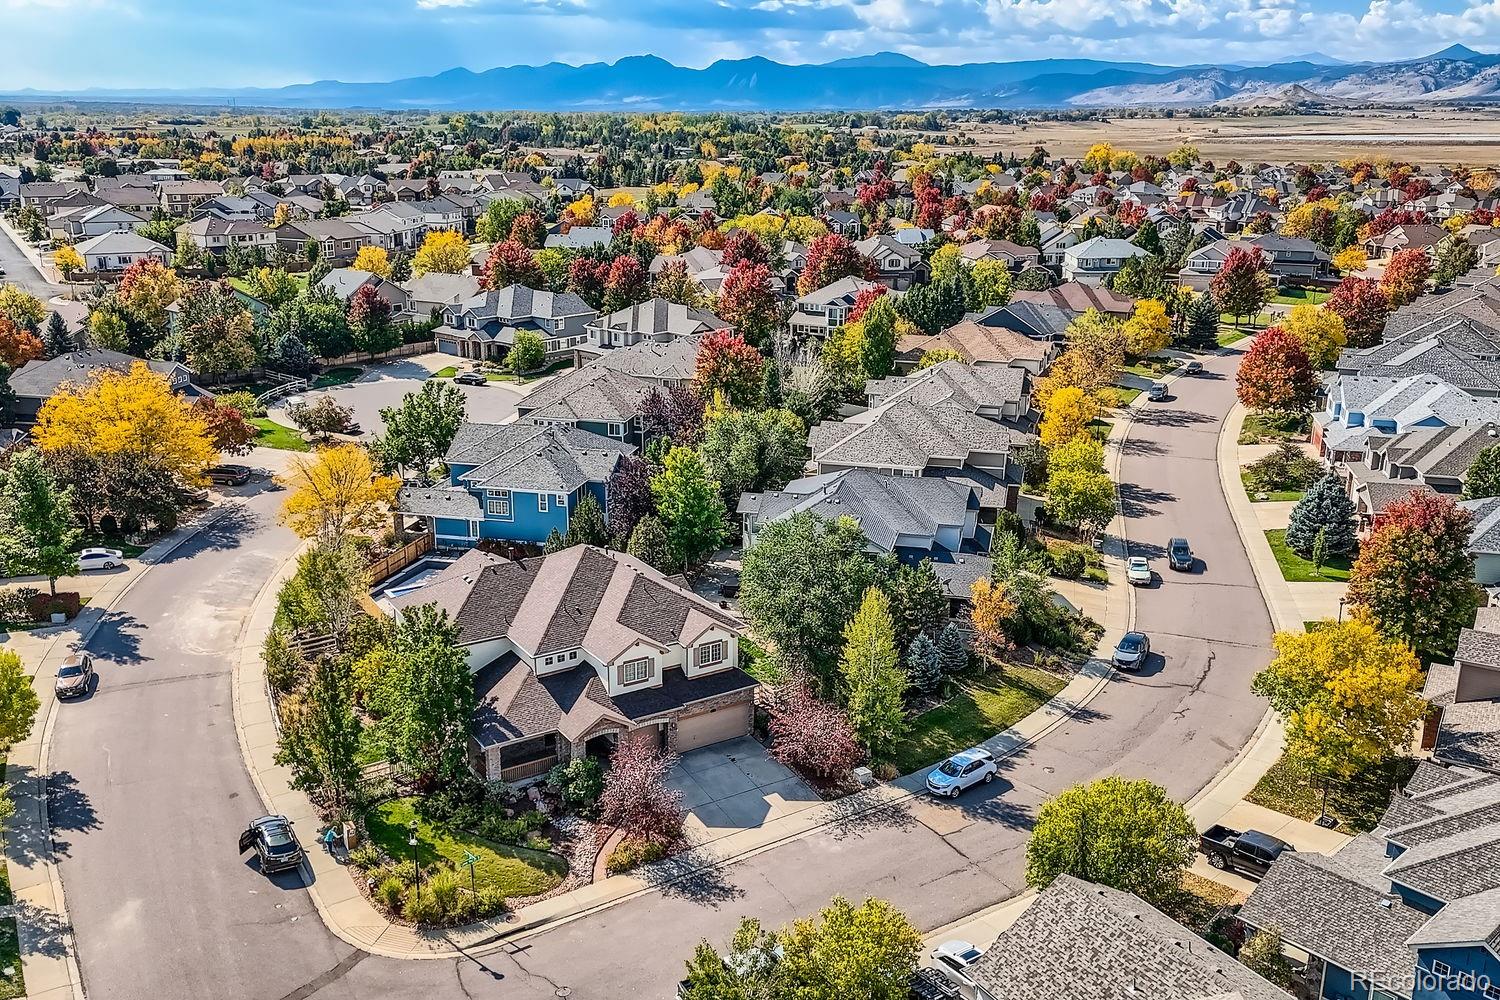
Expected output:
(422, 907)
(244, 402)
(285, 666)
(1068, 560)
(538, 844)
(634, 851)
(580, 782)
(444, 886)
(15, 605)
(388, 894)
(366, 856)
(510, 831)
(1286, 468)
(42, 606)
(489, 902)
(109, 527)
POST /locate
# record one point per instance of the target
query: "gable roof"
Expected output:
(886, 507)
(675, 361)
(658, 316)
(591, 393)
(980, 344)
(953, 382)
(542, 459)
(41, 378)
(908, 436)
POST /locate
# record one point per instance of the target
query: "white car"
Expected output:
(963, 769)
(100, 559)
(952, 959)
(1138, 571)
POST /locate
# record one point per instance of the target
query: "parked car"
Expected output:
(229, 475)
(274, 842)
(1132, 651)
(963, 769)
(1248, 852)
(1192, 368)
(1138, 571)
(1157, 392)
(1180, 555)
(952, 959)
(471, 378)
(100, 559)
(73, 675)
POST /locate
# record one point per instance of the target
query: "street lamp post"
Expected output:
(1342, 602)
(416, 863)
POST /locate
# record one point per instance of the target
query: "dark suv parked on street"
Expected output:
(274, 843)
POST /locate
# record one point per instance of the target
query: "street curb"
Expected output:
(43, 834)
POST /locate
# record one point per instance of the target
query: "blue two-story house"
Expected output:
(593, 398)
(1410, 911)
(514, 483)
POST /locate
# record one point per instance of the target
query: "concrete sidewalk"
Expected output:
(48, 958)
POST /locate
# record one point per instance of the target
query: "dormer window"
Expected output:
(635, 671)
(711, 654)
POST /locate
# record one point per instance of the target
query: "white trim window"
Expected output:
(497, 504)
(635, 671)
(615, 430)
(542, 500)
(711, 654)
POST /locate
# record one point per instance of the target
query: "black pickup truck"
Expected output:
(1248, 852)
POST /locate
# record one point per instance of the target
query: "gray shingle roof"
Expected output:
(439, 501)
(676, 360)
(886, 507)
(1078, 940)
(534, 458)
(1484, 535)
(1478, 647)
(41, 378)
(591, 393)
(953, 382)
(905, 435)
(1454, 866)
(1469, 734)
(660, 317)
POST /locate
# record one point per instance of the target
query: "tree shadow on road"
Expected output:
(1138, 501)
(1142, 446)
(69, 810)
(853, 818)
(118, 639)
(1174, 418)
(233, 523)
(694, 876)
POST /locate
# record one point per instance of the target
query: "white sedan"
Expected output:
(965, 768)
(100, 559)
(1138, 571)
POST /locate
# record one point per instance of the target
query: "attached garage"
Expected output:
(700, 729)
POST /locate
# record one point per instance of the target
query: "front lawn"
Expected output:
(1301, 297)
(14, 984)
(1290, 788)
(337, 376)
(1101, 428)
(1295, 569)
(1229, 335)
(1269, 428)
(513, 871)
(95, 540)
(986, 705)
(1124, 396)
(1268, 496)
(270, 434)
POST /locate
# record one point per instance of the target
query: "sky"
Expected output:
(76, 44)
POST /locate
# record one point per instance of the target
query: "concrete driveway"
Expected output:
(736, 786)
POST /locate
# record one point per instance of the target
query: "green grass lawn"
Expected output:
(1271, 496)
(13, 985)
(1229, 335)
(514, 871)
(337, 376)
(1301, 297)
(1257, 322)
(1289, 787)
(1261, 428)
(95, 540)
(244, 285)
(494, 376)
(1295, 569)
(1124, 396)
(1101, 428)
(270, 434)
(985, 706)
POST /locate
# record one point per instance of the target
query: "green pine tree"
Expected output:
(586, 523)
(873, 678)
(924, 666)
(648, 543)
(771, 396)
(555, 542)
(953, 651)
(1325, 506)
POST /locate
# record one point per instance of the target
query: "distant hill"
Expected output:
(883, 80)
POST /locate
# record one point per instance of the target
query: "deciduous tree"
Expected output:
(370, 323)
(1276, 374)
(753, 451)
(1125, 834)
(217, 331)
(1320, 331)
(1363, 307)
(24, 309)
(636, 797)
(1483, 476)
(18, 706)
(1078, 491)
(18, 345)
(373, 260)
(227, 427)
(747, 301)
(320, 736)
(1148, 330)
(36, 515)
(1069, 412)
(429, 697)
(864, 952)
(727, 364)
(335, 491)
(829, 258)
(443, 251)
(419, 431)
(1414, 577)
(1405, 276)
(810, 734)
(1241, 287)
(690, 507)
(528, 353)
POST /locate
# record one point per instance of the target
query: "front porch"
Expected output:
(464, 344)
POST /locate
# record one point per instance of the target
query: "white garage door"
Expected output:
(727, 723)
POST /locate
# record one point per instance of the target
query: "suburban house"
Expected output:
(396, 225)
(824, 310)
(1461, 351)
(513, 482)
(82, 223)
(115, 251)
(338, 240)
(981, 344)
(435, 292)
(343, 282)
(36, 381)
(1408, 910)
(484, 326)
(181, 197)
(897, 265)
(1434, 459)
(575, 651)
(1080, 941)
(1484, 539)
(594, 398)
(1077, 297)
(995, 392)
(1013, 255)
(42, 195)
(1362, 407)
(656, 319)
(1295, 258)
(672, 363)
(1405, 237)
(1463, 727)
(217, 235)
(1098, 258)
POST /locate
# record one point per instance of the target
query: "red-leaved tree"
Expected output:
(529, 230)
(1405, 276)
(727, 364)
(227, 427)
(1242, 286)
(744, 245)
(863, 301)
(810, 734)
(509, 263)
(626, 283)
(1363, 307)
(1276, 374)
(636, 798)
(18, 345)
(747, 301)
(829, 258)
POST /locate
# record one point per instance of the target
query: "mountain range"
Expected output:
(884, 80)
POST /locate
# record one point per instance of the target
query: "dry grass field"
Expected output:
(1429, 136)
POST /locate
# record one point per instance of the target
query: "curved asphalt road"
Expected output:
(151, 793)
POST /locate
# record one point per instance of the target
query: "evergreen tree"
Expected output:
(953, 651)
(648, 542)
(586, 524)
(59, 341)
(1483, 477)
(873, 678)
(771, 396)
(555, 542)
(1200, 326)
(924, 665)
(1326, 506)
(918, 602)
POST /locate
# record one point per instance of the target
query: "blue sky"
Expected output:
(73, 44)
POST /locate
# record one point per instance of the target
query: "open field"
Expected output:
(1431, 136)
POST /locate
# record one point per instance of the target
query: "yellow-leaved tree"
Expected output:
(125, 441)
(373, 260)
(1321, 332)
(335, 491)
(1351, 258)
(1148, 330)
(444, 251)
(1069, 412)
(69, 261)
